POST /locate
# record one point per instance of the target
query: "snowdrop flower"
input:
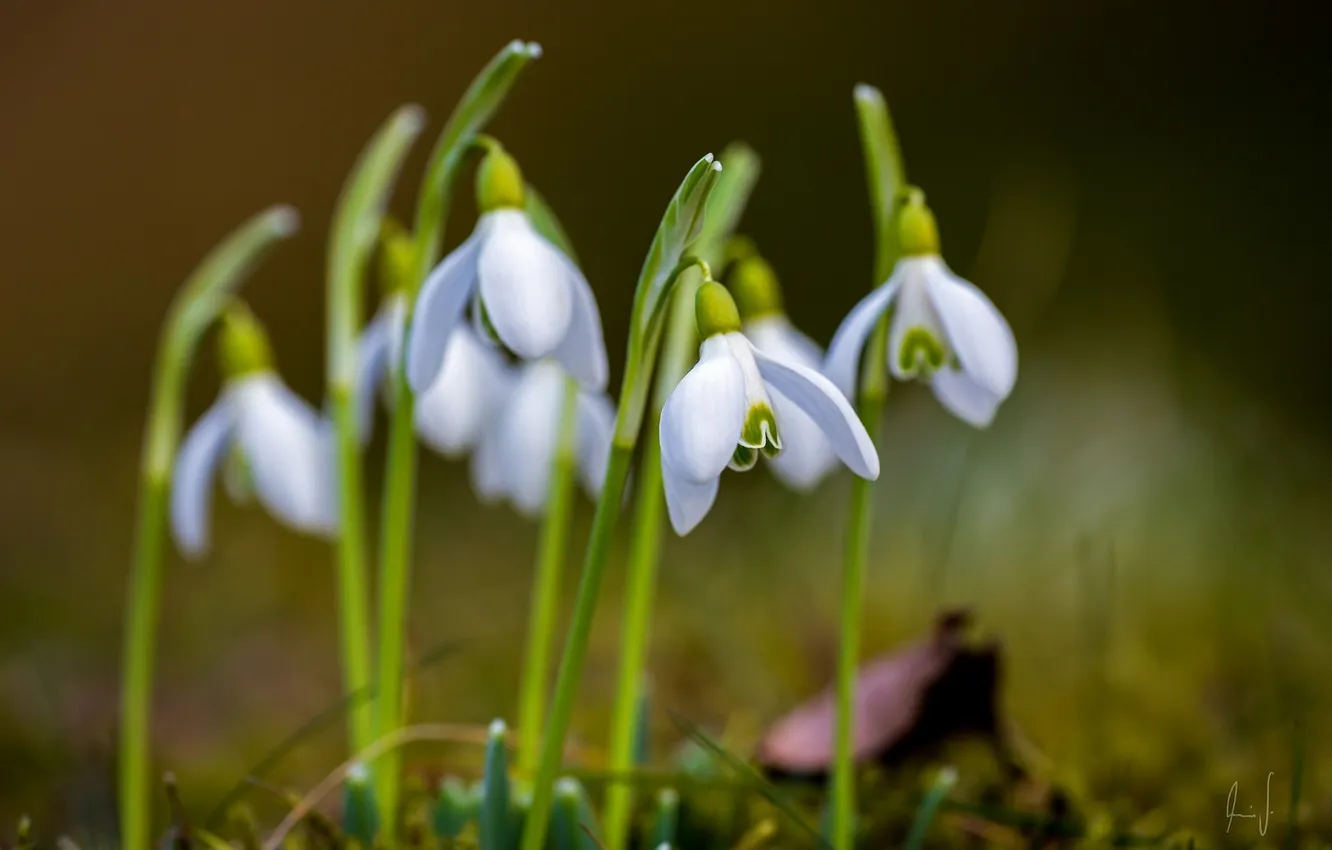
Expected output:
(806, 457)
(462, 401)
(525, 289)
(277, 444)
(514, 459)
(722, 413)
(943, 329)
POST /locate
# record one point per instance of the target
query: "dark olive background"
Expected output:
(1187, 143)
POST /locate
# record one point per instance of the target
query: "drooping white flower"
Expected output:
(465, 396)
(534, 297)
(514, 459)
(943, 330)
(722, 413)
(281, 444)
(806, 457)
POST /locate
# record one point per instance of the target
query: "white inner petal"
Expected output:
(916, 340)
(758, 407)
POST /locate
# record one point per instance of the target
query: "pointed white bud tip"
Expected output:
(716, 166)
(668, 797)
(947, 776)
(498, 729)
(708, 158)
(284, 219)
(358, 773)
(866, 92)
(534, 50)
(567, 787)
(412, 117)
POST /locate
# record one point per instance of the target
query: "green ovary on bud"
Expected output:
(715, 311)
(243, 347)
(397, 258)
(499, 182)
(916, 228)
(921, 349)
(755, 287)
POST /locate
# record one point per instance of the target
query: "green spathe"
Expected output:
(715, 310)
(499, 182)
(754, 285)
(243, 347)
(917, 232)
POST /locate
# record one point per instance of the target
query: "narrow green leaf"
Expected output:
(680, 226)
(728, 200)
(478, 105)
(884, 171)
(668, 817)
(356, 227)
(929, 807)
(495, 822)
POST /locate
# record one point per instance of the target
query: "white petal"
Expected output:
(528, 432)
(372, 358)
(842, 365)
(596, 429)
(806, 456)
(290, 453)
(914, 311)
(687, 501)
(466, 397)
(702, 418)
(488, 468)
(524, 286)
(817, 397)
(444, 296)
(583, 350)
(756, 392)
(977, 333)
(964, 398)
(192, 478)
(777, 337)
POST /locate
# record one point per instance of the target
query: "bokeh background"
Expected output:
(1140, 186)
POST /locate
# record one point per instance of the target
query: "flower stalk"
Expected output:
(356, 226)
(724, 211)
(886, 177)
(478, 104)
(666, 261)
(196, 306)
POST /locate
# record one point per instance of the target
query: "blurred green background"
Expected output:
(1139, 186)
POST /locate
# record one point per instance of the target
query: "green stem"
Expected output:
(886, 177)
(395, 581)
(641, 578)
(143, 612)
(575, 647)
(551, 554)
(201, 298)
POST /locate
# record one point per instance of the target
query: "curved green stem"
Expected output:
(481, 100)
(546, 591)
(884, 172)
(200, 300)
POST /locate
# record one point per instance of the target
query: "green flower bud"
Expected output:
(397, 258)
(714, 310)
(499, 182)
(916, 228)
(755, 287)
(243, 347)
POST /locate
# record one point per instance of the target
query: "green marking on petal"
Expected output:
(921, 350)
(760, 430)
(487, 326)
(743, 459)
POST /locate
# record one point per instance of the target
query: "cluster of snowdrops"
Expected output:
(496, 351)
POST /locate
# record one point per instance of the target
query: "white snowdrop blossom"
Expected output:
(943, 330)
(283, 446)
(514, 459)
(722, 413)
(463, 400)
(533, 297)
(806, 457)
